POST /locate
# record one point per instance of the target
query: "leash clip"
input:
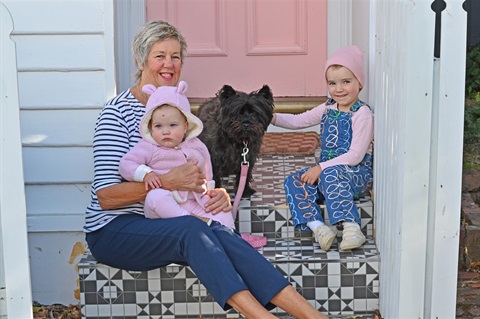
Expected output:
(244, 153)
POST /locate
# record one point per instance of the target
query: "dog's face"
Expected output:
(245, 117)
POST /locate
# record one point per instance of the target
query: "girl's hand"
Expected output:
(312, 175)
(152, 181)
(219, 201)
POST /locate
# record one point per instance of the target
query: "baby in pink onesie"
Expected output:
(170, 138)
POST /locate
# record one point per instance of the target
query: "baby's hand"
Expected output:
(152, 181)
(312, 175)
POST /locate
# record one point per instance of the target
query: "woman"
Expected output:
(119, 235)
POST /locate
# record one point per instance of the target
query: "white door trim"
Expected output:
(339, 34)
(130, 15)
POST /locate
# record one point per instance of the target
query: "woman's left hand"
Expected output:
(219, 201)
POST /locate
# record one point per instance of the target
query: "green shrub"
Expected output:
(472, 73)
(472, 126)
(471, 133)
(471, 136)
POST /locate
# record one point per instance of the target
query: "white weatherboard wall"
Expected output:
(66, 71)
(419, 106)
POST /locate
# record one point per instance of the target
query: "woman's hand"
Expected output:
(219, 201)
(187, 177)
(121, 194)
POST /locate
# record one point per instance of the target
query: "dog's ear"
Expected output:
(226, 92)
(266, 93)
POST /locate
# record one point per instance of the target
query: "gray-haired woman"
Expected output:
(119, 235)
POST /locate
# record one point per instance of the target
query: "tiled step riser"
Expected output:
(347, 288)
(275, 222)
(337, 283)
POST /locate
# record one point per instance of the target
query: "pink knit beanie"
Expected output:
(350, 57)
(174, 96)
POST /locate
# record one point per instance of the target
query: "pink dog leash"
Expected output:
(241, 187)
(254, 240)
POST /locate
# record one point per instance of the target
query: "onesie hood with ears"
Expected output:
(350, 57)
(174, 96)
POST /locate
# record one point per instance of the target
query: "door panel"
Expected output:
(248, 43)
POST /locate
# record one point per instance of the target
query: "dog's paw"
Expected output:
(248, 191)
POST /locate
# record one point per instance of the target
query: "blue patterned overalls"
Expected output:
(338, 185)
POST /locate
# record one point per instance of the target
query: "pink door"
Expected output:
(248, 43)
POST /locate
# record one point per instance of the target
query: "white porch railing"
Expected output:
(15, 287)
(419, 104)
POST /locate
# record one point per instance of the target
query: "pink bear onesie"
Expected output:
(147, 155)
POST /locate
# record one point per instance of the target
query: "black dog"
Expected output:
(232, 121)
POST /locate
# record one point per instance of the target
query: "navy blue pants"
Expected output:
(221, 259)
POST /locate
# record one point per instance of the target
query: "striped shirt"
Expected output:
(116, 132)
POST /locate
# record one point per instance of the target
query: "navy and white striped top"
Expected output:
(116, 132)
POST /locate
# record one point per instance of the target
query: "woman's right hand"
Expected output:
(186, 177)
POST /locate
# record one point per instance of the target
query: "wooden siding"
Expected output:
(85, 89)
(65, 75)
(66, 72)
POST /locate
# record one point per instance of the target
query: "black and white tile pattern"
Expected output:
(338, 283)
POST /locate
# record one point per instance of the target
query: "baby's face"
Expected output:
(343, 86)
(168, 126)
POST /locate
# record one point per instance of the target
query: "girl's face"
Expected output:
(164, 64)
(168, 126)
(343, 86)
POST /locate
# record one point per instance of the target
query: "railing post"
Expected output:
(446, 163)
(15, 284)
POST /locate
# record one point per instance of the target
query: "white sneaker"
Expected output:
(352, 238)
(325, 235)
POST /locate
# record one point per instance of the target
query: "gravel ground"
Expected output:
(56, 311)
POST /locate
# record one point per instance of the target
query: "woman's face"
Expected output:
(164, 64)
